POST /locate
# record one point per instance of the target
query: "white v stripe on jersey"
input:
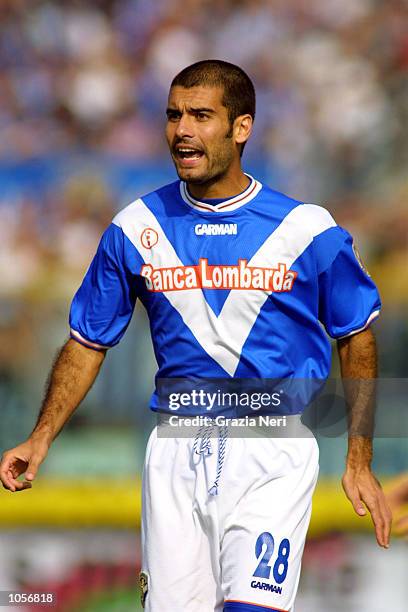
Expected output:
(223, 336)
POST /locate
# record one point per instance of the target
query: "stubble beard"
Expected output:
(217, 167)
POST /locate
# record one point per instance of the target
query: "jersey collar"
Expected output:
(226, 205)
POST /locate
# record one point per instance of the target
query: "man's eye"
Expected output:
(202, 116)
(172, 116)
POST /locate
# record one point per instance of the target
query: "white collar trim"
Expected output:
(228, 205)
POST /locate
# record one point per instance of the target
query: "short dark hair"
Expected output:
(239, 92)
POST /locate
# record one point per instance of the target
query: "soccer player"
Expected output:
(238, 281)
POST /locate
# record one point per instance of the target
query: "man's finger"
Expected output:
(379, 521)
(4, 464)
(384, 515)
(11, 483)
(5, 474)
(31, 471)
(387, 514)
(14, 486)
(354, 497)
(385, 511)
(24, 485)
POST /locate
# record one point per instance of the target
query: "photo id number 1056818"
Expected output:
(16, 598)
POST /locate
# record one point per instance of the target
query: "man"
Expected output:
(236, 279)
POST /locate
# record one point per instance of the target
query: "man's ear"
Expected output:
(242, 128)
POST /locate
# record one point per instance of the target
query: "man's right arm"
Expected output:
(72, 375)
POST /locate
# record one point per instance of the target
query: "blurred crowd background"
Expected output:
(83, 87)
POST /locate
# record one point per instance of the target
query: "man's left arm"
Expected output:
(358, 362)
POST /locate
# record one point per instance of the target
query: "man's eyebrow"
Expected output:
(202, 109)
(191, 109)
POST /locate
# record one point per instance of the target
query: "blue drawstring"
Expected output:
(222, 442)
(205, 434)
(205, 449)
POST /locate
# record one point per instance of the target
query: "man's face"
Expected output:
(199, 134)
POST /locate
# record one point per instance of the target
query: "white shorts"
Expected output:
(239, 550)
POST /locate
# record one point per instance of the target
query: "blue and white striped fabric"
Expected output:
(248, 287)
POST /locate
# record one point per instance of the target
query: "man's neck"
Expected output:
(226, 187)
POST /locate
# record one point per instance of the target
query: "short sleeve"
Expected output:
(348, 298)
(103, 305)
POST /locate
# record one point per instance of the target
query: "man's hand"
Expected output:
(358, 363)
(72, 375)
(24, 458)
(363, 489)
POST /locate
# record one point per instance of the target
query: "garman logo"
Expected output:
(149, 238)
(215, 229)
(264, 586)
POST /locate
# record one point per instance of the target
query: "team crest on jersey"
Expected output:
(149, 238)
(360, 261)
(144, 587)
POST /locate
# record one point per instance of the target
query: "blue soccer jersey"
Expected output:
(248, 287)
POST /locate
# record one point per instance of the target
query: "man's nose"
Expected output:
(185, 126)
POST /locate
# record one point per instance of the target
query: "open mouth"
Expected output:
(188, 154)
